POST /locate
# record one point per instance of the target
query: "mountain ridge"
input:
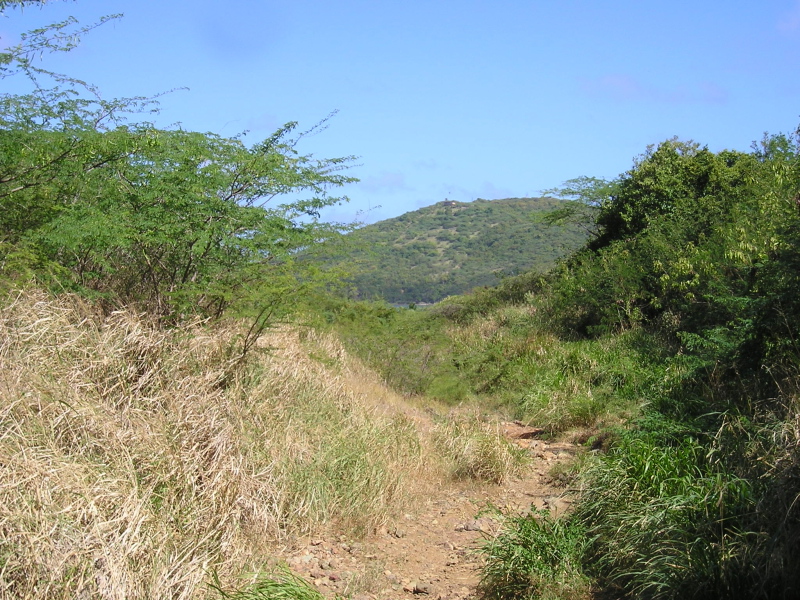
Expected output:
(452, 247)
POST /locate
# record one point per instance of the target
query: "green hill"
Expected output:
(453, 247)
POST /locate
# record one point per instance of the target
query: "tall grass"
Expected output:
(510, 356)
(505, 356)
(535, 556)
(475, 449)
(135, 460)
(666, 522)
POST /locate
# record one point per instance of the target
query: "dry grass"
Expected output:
(476, 449)
(134, 462)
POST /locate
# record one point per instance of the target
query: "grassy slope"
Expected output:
(674, 504)
(137, 462)
(438, 251)
(495, 353)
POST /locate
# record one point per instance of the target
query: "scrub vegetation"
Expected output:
(179, 392)
(668, 345)
(453, 247)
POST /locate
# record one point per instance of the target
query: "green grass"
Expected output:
(283, 585)
(535, 557)
(664, 522)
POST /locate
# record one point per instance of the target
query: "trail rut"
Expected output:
(430, 551)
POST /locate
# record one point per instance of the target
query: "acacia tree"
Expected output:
(177, 222)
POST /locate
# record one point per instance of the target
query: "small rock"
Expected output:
(334, 577)
(298, 562)
(459, 527)
(399, 532)
(422, 588)
(473, 526)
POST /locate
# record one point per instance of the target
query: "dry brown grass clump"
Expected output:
(477, 450)
(135, 461)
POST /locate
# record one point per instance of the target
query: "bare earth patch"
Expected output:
(430, 552)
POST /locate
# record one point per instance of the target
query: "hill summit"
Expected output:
(453, 247)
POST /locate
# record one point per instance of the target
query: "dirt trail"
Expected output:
(430, 551)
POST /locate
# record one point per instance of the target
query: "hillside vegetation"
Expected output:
(453, 247)
(668, 345)
(138, 461)
(179, 392)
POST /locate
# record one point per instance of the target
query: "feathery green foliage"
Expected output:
(175, 222)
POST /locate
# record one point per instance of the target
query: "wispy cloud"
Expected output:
(621, 87)
(385, 183)
(241, 32)
(265, 122)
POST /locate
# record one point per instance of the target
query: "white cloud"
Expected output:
(429, 164)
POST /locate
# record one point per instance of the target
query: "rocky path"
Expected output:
(431, 551)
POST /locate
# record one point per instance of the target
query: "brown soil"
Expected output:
(430, 552)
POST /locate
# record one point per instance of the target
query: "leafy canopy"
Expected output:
(177, 222)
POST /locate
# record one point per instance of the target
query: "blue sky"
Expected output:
(458, 99)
